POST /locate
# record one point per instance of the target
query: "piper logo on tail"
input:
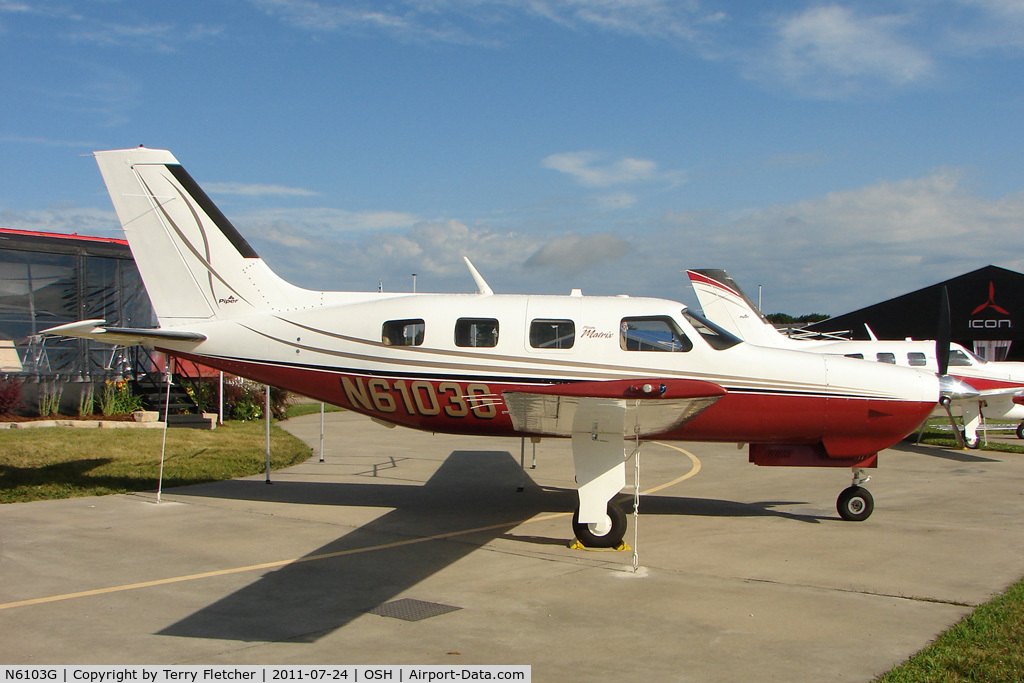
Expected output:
(230, 300)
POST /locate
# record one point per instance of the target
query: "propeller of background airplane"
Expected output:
(949, 387)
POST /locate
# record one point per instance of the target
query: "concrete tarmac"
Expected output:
(745, 573)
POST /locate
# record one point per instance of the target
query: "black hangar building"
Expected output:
(986, 314)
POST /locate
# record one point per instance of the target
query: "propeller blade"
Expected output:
(944, 332)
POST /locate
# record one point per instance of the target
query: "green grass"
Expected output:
(945, 438)
(297, 409)
(61, 462)
(984, 647)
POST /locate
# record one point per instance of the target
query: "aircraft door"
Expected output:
(552, 324)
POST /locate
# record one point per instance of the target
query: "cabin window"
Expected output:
(716, 337)
(402, 332)
(855, 355)
(886, 358)
(552, 334)
(917, 359)
(659, 333)
(479, 332)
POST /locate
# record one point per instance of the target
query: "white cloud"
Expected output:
(161, 37)
(848, 249)
(12, 6)
(589, 170)
(257, 190)
(831, 51)
(989, 24)
(325, 221)
(87, 221)
(406, 21)
(576, 253)
(489, 21)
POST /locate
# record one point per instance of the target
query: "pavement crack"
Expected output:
(876, 594)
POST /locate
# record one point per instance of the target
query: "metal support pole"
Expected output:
(321, 432)
(522, 465)
(266, 417)
(167, 420)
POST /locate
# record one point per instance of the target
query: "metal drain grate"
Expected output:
(408, 609)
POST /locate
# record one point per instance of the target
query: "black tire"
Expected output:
(974, 444)
(1020, 431)
(855, 504)
(586, 535)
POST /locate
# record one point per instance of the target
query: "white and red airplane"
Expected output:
(599, 370)
(988, 390)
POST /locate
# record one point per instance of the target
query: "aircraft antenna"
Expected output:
(481, 285)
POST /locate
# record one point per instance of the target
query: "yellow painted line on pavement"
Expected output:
(326, 556)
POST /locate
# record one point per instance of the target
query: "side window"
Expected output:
(480, 332)
(652, 334)
(552, 334)
(855, 355)
(402, 332)
(716, 337)
(886, 358)
(959, 359)
(916, 359)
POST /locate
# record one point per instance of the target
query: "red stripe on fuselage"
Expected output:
(986, 384)
(848, 427)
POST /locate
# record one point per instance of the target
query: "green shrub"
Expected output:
(117, 398)
(87, 401)
(244, 400)
(49, 399)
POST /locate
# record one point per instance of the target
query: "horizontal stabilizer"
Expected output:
(652, 406)
(125, 336)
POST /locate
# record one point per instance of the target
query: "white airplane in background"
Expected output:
(998, 386)
(599, 370)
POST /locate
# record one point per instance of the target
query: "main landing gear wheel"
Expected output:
(974, 443)
(606, 535)
(855, 504)
(1020, 431)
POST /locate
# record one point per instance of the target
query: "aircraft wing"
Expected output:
(599, 416)
(1017, 391)
(642, 406)
(124, 336)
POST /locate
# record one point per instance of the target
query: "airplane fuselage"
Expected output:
(441, 362)
(1002, 379)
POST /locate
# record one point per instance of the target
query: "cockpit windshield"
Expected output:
(716, 337)
(964, 358)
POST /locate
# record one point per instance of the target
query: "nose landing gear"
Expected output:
(855, 504)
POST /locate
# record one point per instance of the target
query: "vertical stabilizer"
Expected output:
(195, 265)
(725, 304)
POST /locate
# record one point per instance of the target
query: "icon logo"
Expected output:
(990, 305)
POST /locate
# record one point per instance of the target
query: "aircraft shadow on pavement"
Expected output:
(941, 452)
(469, 501)
(305, 600)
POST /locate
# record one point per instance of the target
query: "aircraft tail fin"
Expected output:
(194, 263)
(725, 304)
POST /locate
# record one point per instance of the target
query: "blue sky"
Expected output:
(837, 154)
